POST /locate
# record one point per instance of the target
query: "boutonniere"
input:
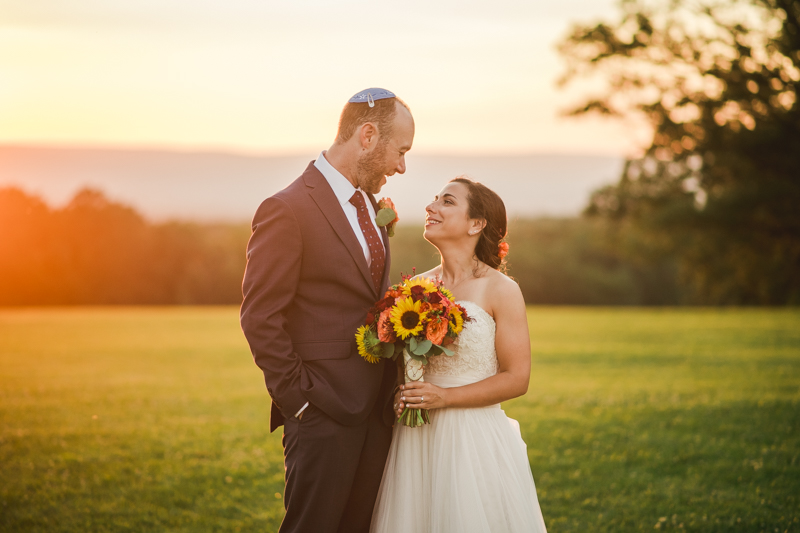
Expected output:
(387, 215)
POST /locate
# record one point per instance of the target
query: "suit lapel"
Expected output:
(327, 202)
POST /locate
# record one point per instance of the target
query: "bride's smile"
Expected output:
(448, 215)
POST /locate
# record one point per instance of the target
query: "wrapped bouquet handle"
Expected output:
(414, 370)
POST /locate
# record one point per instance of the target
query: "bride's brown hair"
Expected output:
(485, 204)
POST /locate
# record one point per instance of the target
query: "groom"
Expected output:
(316, 262)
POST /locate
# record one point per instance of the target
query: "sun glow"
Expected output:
(249, 76)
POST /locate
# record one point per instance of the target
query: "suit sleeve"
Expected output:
(270, 282)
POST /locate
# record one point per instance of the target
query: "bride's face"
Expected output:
(448, 215)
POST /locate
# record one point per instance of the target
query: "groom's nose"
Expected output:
(401, 166)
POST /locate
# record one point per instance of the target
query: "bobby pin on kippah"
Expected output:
(370, 95)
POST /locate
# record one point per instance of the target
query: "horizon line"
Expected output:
(298, 152)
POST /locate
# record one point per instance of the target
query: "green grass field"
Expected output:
(156, 419)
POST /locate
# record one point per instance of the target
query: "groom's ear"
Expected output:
(367, 135)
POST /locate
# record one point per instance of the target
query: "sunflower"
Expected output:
(407, 318)
(366, 340)
(447, 293)
(425, 283)
(456, 320)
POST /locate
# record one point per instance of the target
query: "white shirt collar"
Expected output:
(341, 186)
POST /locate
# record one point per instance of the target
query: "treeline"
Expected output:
(95, 251)
(567, 261)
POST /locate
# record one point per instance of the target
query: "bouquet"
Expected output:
(417, 318)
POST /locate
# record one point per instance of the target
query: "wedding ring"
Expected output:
(421, 399)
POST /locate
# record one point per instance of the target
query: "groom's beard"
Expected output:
(370, 169)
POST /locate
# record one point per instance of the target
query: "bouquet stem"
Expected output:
(413, 370)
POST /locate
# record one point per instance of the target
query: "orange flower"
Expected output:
(437, 329)
(502, 250)
(435, 307)
(394, 292)
(385, 329)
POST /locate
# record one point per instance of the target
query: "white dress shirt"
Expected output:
(344, 190)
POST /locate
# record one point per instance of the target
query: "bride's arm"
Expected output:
(513, 345)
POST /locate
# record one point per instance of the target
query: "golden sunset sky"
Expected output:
(271, 77)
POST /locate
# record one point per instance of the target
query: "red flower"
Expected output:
(384, 304)
(417, 292)
(372, 314)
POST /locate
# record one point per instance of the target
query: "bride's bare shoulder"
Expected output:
(502, 290)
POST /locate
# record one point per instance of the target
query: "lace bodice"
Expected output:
(475, 355)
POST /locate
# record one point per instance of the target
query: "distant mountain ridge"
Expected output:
(218, 186)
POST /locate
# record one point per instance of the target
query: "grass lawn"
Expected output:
(156, 419)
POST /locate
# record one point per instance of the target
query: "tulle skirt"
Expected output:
(467, 471)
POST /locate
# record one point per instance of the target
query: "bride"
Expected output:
(466, 471)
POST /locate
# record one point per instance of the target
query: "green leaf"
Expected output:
(446, 351)
(388, 350)
(412, 344)
(416, 357)
(422, 347)
(385, 216)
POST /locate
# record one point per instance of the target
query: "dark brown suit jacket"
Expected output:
(307, 288)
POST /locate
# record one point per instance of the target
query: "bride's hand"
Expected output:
(422, 396)
(399, 405)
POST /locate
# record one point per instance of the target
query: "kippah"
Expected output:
(370, 95)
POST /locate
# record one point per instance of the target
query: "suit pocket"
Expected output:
(317, 351)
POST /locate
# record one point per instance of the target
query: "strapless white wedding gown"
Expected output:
(467, 471)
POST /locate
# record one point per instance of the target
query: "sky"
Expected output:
(271, 77)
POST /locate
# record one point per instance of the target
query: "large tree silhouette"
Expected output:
(719, 186)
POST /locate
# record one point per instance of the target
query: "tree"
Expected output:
(719, 186)
(96, 251)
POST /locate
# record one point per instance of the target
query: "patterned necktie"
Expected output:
(373, 240)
